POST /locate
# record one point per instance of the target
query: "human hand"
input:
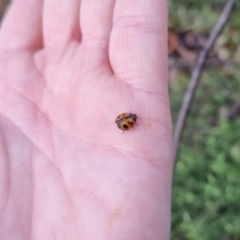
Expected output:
(67, 69)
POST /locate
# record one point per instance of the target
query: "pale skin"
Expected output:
(67, 70)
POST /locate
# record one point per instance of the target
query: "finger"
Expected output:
(96, 24)
(22, 26)
(138, 43)
(60, 22)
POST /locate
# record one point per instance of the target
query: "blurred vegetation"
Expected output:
(206, 187)
(3, 5)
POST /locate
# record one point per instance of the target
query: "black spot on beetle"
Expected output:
(125, 126)
(130, 122)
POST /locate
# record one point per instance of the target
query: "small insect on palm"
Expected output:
(126, 121)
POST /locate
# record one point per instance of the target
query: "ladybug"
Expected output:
(125, 121)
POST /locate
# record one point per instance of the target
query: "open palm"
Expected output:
(67, 69)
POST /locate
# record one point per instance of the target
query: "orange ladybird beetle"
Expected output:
(125, 121)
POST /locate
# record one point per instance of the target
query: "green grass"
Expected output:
(206, 186)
